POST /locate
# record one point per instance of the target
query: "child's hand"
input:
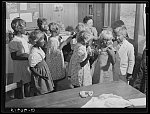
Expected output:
(89, 50)
(110, 51)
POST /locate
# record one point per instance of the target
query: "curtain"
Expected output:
(111, 13)
(140, 29)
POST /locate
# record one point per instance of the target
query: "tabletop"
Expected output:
(70, 98)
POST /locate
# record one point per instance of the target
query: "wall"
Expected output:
(68, 16)
(98, 14)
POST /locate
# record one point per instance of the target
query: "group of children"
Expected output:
(39, 61)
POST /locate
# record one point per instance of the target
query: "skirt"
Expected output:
(39, 85)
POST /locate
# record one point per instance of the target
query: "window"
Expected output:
(91, 10)
(127, 15)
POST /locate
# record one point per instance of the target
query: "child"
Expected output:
(43, 26)
(41, 80)
(103, 71)
(79, 27)
(19, 49)
(55, 58)
(125, 50)
(79, 68)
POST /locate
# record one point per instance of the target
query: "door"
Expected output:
(96, 10)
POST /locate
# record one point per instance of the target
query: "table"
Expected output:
(70, 98)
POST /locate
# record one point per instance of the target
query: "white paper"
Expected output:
(32, 5)
(8, 25)
(138, 101)
(11, 7)
(36, 15)
(13, 15)
(107, 101)
(23, 6)
(26, 16)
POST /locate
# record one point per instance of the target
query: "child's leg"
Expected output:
(27, 89)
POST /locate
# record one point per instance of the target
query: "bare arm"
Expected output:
(21, 57)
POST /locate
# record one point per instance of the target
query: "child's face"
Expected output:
(44, 26)
(119, 36)
(20, 27)
(40, 42)
(106, 43)
(90, 23)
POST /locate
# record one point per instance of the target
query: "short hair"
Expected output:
(82, 36)
(80, 27)
(106, 34)
(86, 18)
(40, 21)
(122, 31)
(17, 22)
(117, 24)
(35, 36)
(54, 27)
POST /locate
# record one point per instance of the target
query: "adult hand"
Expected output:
(89, 50)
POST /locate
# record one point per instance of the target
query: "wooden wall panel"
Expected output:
(98, 16)
(69, 15)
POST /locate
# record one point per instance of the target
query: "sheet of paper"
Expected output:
(138, 101)
(23, 6)
(13, 15)
(11, 7)
(32, 5)
(26, 16)
(35, 15)
(8, 25)
(94, 103)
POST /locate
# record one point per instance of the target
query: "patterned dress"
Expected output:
(103, 71)
(38, 84)
(80, 76)
(55, 59)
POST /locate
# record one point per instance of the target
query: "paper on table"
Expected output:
(94, 103)
(26, 16)
(107, 101)
(138, 101)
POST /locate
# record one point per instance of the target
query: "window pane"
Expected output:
(127, 15)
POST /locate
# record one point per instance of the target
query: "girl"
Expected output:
(55, 58)
(79, 27)
(43, 26)
(104, 69)
(41, 80)
(79, 68)
(19, 49)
